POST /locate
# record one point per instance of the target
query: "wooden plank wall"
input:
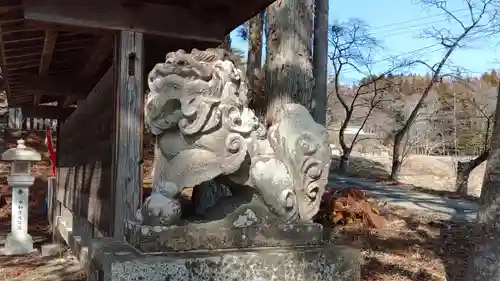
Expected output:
(85, 158)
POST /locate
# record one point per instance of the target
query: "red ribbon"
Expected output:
(52, 153)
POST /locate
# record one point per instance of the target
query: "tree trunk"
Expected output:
(254, 59)
(462, 178)
(396, 169)
(320, 60)
(463, 172)
(226, 45)
(484, 257)
(267, 19)
(289, 75)
(344, 162)
(254, 63)
(396, 157)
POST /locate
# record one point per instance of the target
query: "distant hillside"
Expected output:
(461, 105)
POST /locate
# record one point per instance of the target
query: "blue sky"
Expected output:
(399, 25)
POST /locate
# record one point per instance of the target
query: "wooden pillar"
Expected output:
(56, 208)
(129, 48)
(12, 118)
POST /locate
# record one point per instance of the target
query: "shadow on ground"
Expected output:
(59, 267)
(442, 193)
(362, 168)
(411, 248)
(376, 172)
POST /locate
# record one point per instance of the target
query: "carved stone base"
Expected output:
(217, 235)
(16, 244)
(238, 226)
(117, 261)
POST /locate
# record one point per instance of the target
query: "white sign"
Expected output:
(20, 210)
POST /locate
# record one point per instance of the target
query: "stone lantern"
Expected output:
(18, 241)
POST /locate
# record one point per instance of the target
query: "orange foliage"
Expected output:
(347, 206)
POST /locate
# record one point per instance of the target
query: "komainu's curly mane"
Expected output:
(189, 91)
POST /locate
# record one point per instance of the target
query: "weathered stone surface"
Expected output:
(115, 261)
(51, 249)
(16, 244)
(197, 108)
(219, 235)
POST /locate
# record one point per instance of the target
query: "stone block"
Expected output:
(52, 249)
(220, 235)
(16, 244)
(118, 261)
(219, 250)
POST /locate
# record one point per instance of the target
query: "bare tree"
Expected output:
(480, 22)
(424, 134)
(351, 49)
(482, 101)
(431, 125)
(420, 136)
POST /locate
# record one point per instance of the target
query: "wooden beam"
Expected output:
(56, 85)
(129, 124)
(96, 56)
(131, 3)
(68, 101)
(46, 111)
(37, 99)
(3, 69)
(49, 44)
(111, 14)
(37, 25)
(9, 8)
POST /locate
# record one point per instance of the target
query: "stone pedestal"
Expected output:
(18, 244)
(214, 251)
(18, 241)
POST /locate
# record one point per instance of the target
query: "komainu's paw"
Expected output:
(159, 210)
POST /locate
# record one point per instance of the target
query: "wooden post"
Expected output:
(12, 118)
(19, 118)
(57, 205)
(129, 124)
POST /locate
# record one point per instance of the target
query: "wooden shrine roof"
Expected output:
(56, 50)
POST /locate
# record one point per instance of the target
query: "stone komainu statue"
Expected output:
(197, 108)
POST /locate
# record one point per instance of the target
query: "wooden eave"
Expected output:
(230, 13)
(47, 57)
(31, 52)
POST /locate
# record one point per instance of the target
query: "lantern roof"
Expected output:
(21, 153)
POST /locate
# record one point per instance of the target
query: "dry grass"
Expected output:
(61, 267)
(409, 248)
